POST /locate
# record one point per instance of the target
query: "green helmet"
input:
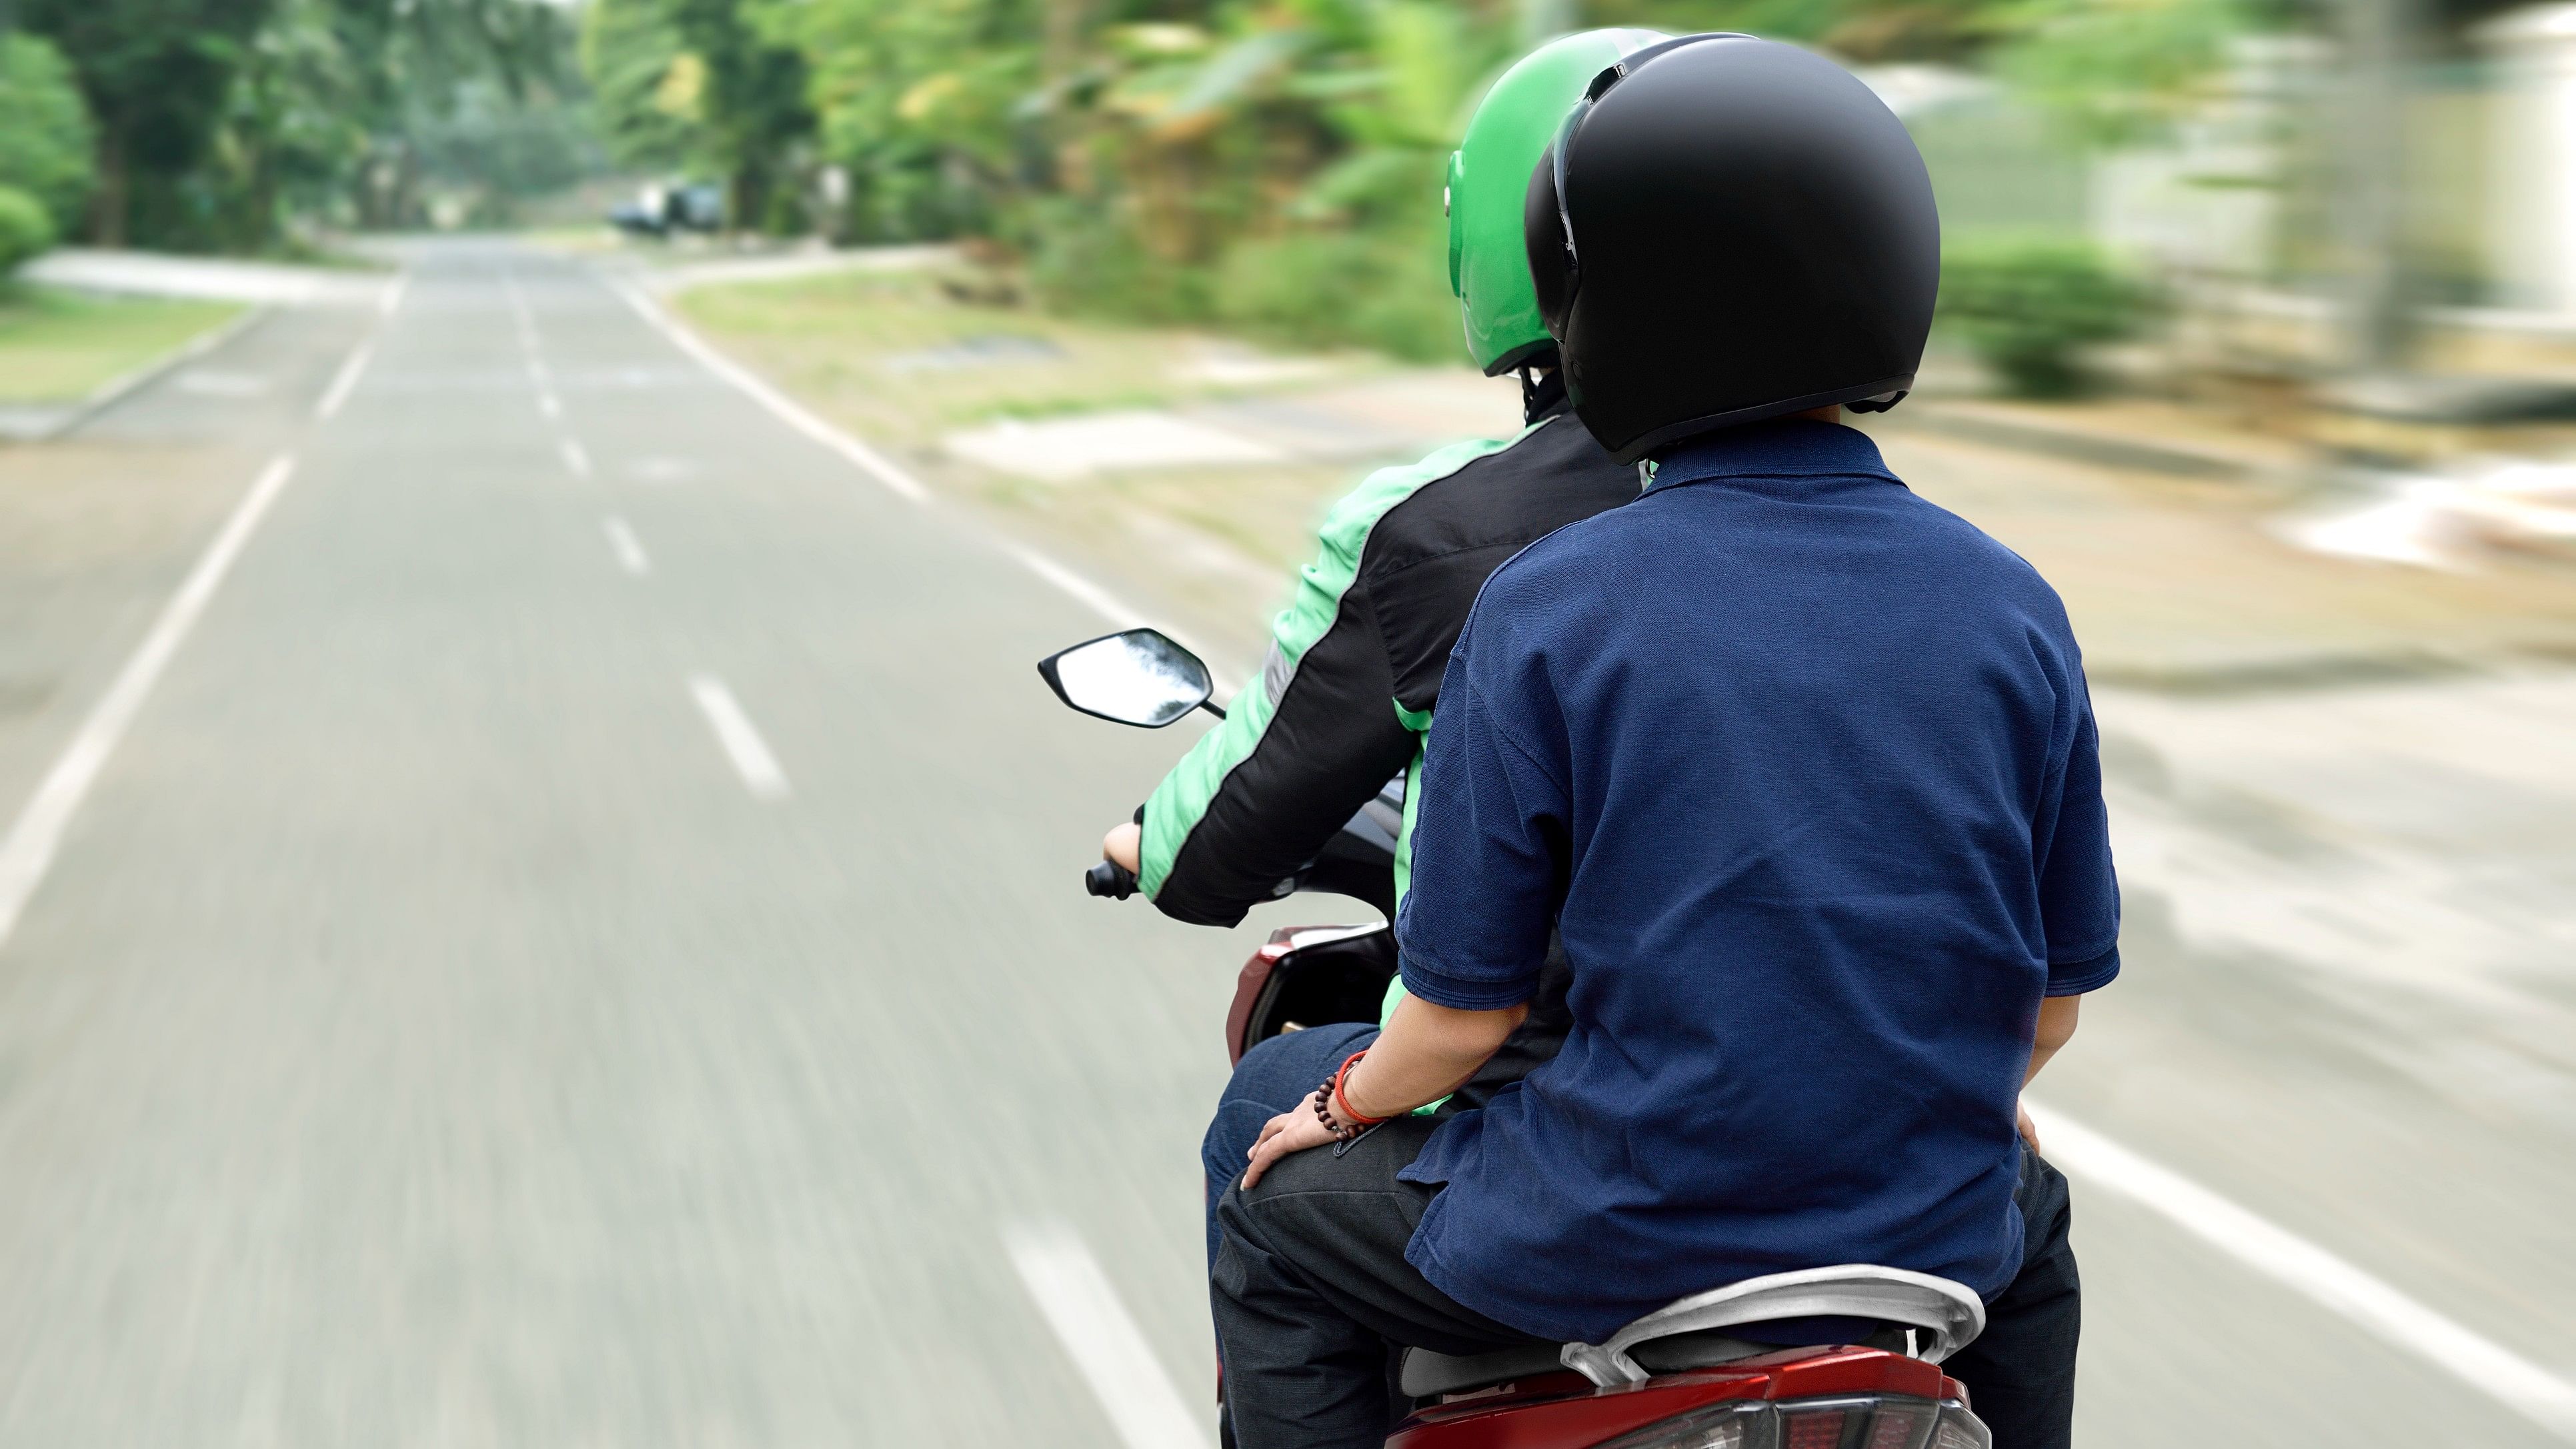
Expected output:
(1489, 175)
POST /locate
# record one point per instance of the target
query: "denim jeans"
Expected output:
(1272, 1077)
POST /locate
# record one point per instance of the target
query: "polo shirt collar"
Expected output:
(1781, 448)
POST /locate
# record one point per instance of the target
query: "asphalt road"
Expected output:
(580, 944)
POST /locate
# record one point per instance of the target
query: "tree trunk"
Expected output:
(108, 204)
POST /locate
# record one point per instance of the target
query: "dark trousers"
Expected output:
(2020, 1372)
(1312, 1296)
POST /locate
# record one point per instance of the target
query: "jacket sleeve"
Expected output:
(1303, 746)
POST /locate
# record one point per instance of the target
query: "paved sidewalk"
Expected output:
(151, 274)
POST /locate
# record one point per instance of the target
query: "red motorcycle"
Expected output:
(1674, 1379)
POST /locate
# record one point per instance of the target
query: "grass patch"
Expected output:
(897, 358)
(59, 346)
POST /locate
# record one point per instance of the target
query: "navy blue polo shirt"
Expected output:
(1804, 770)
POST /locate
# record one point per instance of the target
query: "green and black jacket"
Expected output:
(1345, 698)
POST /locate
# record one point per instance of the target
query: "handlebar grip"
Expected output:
(1110, 879)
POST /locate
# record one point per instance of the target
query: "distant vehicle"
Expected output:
(1673, 1379)
(658, 211)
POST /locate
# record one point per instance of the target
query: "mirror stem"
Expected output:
(1212, 707)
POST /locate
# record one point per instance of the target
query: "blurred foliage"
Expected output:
(1270, 164)
(156, 74)
(645, 89)
(217, 121)
(25, 228)
(45, 133)
(696, 86)
(498, 152)
(2119, 71)
(2029, 307)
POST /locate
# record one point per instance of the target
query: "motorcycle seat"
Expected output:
(1920, 1315)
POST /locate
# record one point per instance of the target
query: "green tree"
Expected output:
(647, 92)
(45, 133)
(933, 108)
(753, 103)
(697, 84)
(156, 74)
(25, 228)
(294, 123)
(507, 150)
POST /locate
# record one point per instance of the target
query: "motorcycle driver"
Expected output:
(1799, 768)
(1353, 675)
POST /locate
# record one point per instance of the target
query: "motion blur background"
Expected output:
(540, 899)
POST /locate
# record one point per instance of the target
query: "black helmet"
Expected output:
(1728, 229)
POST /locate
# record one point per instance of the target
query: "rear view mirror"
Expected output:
(1139, 677)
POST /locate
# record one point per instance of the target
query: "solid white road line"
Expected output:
(344, 382)
(1108, 605)
(628, 548)
(786, 409)
(869, 460)
(575, 459)
(1092, 596)
(28, 852)
(393, 294)
(1102, 1338)
(2276, 1253)
(742, 744)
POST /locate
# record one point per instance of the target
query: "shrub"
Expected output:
(25, 229)
(2028, 308)
(45, 135)
(1329, 289)
(1084, 259)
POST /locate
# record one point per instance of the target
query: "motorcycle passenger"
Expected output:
(1353, 674)
(1802, 770)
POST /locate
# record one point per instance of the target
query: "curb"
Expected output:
(115, 390)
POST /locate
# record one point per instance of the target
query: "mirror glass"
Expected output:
(1138, 678)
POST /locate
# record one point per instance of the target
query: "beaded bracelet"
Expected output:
(1330, 1098)
(1324, 1114)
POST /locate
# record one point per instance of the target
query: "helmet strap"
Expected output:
(1542, 393)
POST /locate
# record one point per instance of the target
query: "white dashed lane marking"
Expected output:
(742, 744)
(627, 547)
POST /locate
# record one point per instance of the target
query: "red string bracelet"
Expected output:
(1342, 1101)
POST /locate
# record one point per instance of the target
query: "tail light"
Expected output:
(1879, 1421)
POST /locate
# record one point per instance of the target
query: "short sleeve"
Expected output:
(1489, 854)
(2079, 893)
